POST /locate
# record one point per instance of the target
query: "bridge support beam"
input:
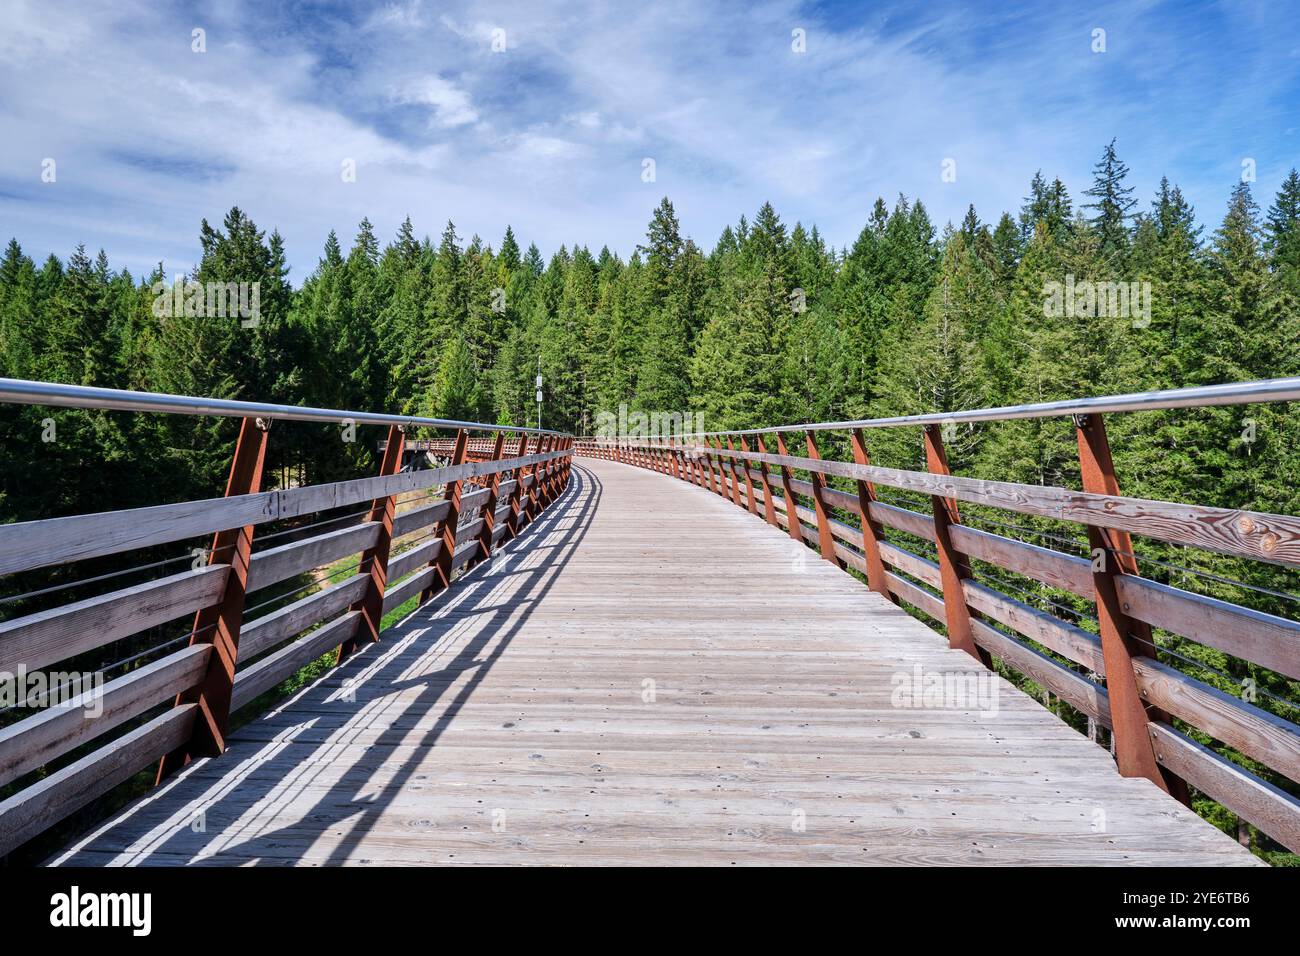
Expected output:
(769, 507)
(1122, 637)
(749, 481)
(791, 503)
(872, 533)
(442, 561)
(490, 507)
(375, 560)
(218, 624)
(954, 566)
(825, 537)
(516, 494)
(730, 464)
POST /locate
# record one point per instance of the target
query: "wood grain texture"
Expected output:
(616, 687)
(59, 633)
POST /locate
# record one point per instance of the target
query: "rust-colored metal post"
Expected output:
(533, 504)
(512, 521)
(442, 561)
(769, 507)
(953, 564)
(791, 503)
(490, 507)
(374, 561)
(872, 532)
(825, 538)
(749, 481)
(1122, 637)
(218, 624)
(729, 464)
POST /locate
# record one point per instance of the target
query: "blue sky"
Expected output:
(550, 134)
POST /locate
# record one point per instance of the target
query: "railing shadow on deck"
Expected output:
(377, 674)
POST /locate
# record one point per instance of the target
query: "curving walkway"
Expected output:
(649, 675)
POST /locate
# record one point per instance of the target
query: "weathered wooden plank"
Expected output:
(417, 518)
(44, 736)
(49, 541)
(278, 564)
(1273, 642)
(1065, 639)
(1077, 691)
(402, 592)
(67, 790)
(265, 632)
(59, 633)
(1265, 737)
(403, 564)
(1272, 810)
(264, 674)
(1251, 534)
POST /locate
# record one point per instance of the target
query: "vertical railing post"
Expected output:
(954, 566)
(218, 624)
(374, 560)
(769, 507)
(729, 464)
(490, 508)
(825, 538)
(532, 505)
(872, 533)
(1122, 637)
(512, 521)
(791, 503)
(749, 481)
(441, 562)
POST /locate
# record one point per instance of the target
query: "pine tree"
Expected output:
(1113, 202)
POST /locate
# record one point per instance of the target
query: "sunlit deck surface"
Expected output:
(648, 675)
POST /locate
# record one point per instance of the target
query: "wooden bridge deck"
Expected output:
(507, 722)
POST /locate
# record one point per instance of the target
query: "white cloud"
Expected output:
(451, 105)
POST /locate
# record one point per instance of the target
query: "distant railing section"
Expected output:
(229, 657)
(1127, 688)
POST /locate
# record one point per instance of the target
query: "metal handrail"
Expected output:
(23, 392)
(1236, 393)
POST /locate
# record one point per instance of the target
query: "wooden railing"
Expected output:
(1127, 683)
(57, 759)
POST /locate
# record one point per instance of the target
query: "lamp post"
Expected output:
(539, 391)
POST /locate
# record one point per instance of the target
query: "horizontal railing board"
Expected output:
(915, 595)
(403, 591)
(42, 805)
(50, 733)
(48, 541)
(418, 518)
(1258, 734)
(1077, 691)
(1251, 534)
(47, 637)
(313, 498)
(280, 665)
(1264, 639)
(464, 554)
(1272, 642)
(1272, 810)
(278, 564)
(1065, 639)
(403, 564)
(263, 633)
